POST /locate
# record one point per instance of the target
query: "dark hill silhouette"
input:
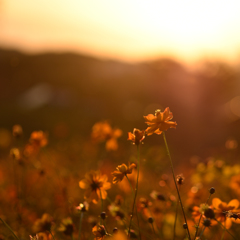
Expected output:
(39, 91)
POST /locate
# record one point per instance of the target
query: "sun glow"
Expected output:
(130, 30)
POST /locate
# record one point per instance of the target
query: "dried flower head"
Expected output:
(96, 185)
(137, 136)
(180, 179)
(99, 232)
(159, 122)
(122, 170)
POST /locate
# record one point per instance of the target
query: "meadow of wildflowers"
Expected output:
(97, 189)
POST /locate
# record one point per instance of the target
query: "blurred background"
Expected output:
(67, 65)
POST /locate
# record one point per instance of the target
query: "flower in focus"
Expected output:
(43, 224)
(122, 170)
(137, 136)
(95, 185)
(99, 232)
(221, 210)
(102, 131)
(66, 227)
(159, 122)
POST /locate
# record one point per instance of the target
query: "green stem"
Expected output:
(80, 226)
(201, 218)
(225, 228)
(9, 228)
(136, 190)
(174, 178)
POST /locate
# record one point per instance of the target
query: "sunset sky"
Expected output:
(130, 30)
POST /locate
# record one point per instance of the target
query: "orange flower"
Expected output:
(99, 232)
(95, 185)
(137, 136)
(122, 170)
(102, 131)
(38, 138)
(221, 210)
(160, 122)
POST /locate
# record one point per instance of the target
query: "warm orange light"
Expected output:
(130, 30)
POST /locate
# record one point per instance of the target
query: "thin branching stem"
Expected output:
(197, 227)
(174, 178)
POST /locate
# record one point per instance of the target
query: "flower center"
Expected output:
(96, 185)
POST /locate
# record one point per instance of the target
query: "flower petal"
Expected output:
(84, 184)
(234, 203)
(216, 202)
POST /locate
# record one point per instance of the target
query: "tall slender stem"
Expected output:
(225, 228)
(174, 178)
(175, 221)
(9, 228)
(135, 196)
(80, 226)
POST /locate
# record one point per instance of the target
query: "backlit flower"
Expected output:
(102, 131)
(95, 185)
(99, 232)
(159, 122)
(122, 170)
(222, 208)
(137, 136)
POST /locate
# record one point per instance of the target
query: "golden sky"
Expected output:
(124, 29)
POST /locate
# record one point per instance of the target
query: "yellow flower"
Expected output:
(137, 136)
(221, 210)
(95, 185)
(122, 170)
(159, 122)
